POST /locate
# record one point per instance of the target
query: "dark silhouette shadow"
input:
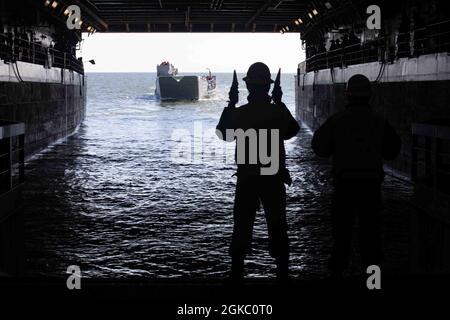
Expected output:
(258, 180)
(358, 140)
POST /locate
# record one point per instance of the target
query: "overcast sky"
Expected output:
(221, 52)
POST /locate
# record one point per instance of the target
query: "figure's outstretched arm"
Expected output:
(277, 93)
(290, 125)
(226, 119)
(233, 95)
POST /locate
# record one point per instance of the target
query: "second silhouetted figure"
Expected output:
(358, 140)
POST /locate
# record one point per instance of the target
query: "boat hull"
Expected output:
(178, 88)
(184, 87)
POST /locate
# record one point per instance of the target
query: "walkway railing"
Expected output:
(431, 39)
(14, 49)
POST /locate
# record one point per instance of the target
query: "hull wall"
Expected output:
(404, 95)
(50, 111)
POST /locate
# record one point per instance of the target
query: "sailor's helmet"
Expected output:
(258, 73)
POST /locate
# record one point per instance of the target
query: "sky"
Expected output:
(191, 52)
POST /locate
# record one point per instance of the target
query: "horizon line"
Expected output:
(180, 72)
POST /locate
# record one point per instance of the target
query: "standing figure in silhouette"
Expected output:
(358, 140)
(273, 123)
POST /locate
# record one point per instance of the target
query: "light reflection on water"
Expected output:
(110, 200)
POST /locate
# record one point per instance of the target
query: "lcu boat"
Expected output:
(171, 86)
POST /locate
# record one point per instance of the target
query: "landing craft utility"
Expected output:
(171, 86)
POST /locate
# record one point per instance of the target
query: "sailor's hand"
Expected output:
(277, 94)
(233, 98)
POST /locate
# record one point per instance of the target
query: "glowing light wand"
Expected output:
(277, 94)
(233, 95)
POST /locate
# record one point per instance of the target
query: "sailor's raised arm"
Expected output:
(226, 119)
(290, 126)
(225, 124)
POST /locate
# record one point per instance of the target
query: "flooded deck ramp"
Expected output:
(124, 208)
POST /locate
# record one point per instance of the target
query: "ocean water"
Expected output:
(115, 200)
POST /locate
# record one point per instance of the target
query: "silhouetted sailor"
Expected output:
(357, 139)
(257, 178)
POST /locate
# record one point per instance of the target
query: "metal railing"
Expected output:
(431, 39)
(13, 48)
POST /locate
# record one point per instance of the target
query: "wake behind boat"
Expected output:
(171, 86)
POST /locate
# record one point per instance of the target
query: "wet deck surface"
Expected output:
(189, 246)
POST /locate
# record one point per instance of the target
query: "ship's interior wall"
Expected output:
(33, 37)
(402, 103)
(409, 28)
(50, 111)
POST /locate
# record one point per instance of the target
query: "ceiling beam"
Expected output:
(97, 20)
(188, 14)
(185, 16)
(258, 13)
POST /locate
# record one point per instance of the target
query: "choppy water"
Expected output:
(112, 200)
